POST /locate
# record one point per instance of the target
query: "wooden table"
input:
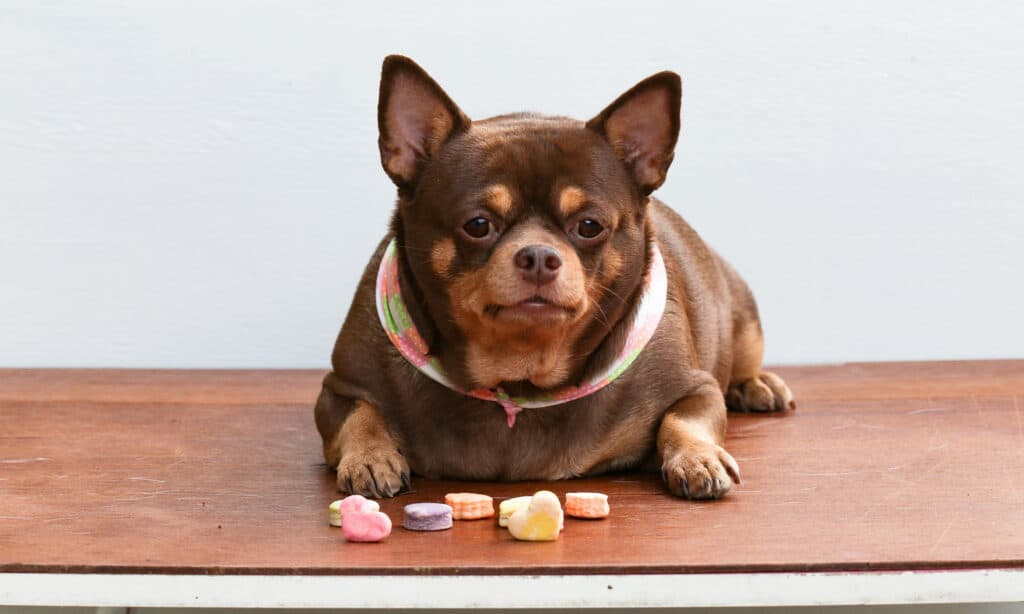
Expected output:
(896, 482)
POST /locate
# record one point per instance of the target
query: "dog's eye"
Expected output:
(588, 228)
(478, 227)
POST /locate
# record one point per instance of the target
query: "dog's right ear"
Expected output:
(415, 118)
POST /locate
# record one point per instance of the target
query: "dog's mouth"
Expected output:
(535, 307)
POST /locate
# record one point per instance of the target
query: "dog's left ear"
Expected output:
(642, 127)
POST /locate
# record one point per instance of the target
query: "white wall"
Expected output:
(197, 183)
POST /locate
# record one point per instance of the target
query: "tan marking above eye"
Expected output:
(499, 199)
(571, 200)
(442, 254)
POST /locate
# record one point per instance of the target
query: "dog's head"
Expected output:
(525, 235)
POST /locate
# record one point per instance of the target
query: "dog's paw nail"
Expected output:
(377, 473)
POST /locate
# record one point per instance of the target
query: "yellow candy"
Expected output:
(335, 513)
(509, 507)
(541, 520)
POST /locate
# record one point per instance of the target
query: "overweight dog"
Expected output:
(533, 313)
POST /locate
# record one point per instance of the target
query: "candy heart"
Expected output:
(541, 520)
(358, 503)
(510, 506)
(365, 526)
(353, 503)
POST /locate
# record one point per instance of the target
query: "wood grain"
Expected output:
(883, 466)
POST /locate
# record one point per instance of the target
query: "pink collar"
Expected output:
(403, 334)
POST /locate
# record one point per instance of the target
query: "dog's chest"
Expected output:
(463, 438)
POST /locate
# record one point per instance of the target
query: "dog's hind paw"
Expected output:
(766, 392)
(373, 473)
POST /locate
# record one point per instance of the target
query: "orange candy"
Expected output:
(469, 505)
(586, 504)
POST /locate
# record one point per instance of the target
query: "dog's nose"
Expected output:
(538, 263)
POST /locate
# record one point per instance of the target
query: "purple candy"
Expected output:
(427, 517)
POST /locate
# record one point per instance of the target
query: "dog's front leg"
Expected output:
(693, 462)
(359, 445)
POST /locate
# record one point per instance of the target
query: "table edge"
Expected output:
(532, 591)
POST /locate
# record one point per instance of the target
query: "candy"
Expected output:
(365, 526)
(427, 517)
(335, 513)
(509, 507)
(586, 504)
(353, 503)
(358, 503)
(469, 505)
(539, 521)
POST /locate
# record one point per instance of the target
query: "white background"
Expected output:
(198, 184)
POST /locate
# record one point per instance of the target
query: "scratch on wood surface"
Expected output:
(909, 479)
(875, 427)
(927, 410)
(61, 518)
(740, 429)
(942, 535)
(16, 461)
(862, 425)
(287, 508)
(144, 495)
(140, 479)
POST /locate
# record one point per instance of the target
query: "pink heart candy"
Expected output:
(366, 526)
(358, 503)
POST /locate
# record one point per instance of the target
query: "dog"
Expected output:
(534, 313)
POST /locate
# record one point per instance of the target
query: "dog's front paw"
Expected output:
(700, 471)
(766, 392)
(373, 473)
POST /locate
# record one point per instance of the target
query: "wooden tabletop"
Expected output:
(883, 467)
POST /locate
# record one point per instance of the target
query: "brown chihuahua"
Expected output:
(528, 269)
